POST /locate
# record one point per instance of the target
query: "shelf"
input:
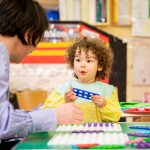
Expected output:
(100, 24)
(78, 10)
(48, 4)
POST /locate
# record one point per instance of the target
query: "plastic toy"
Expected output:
(83, 94)
(139, 110)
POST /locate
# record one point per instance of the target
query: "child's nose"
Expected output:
(83, 64)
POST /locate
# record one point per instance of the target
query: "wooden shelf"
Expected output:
(101, 24)
(51, 4)
(48, 4)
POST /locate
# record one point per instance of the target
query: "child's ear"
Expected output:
(99, 68)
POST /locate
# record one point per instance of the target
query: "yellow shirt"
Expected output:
(91, 113)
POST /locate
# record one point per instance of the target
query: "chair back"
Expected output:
(29, 100)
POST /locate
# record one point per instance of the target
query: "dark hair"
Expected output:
(20, 16)
(103, 54)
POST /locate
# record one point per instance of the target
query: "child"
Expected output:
(91, 61)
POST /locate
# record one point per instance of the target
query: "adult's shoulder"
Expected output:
(3, 49)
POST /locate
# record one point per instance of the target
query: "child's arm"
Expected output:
(54, 99)
(111, 111)
(70, 96)
(99, 101)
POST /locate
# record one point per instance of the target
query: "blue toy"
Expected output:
(140, 127)
(83, 94)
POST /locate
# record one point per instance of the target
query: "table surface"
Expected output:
(39, 140)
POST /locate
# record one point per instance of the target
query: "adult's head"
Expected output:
(23, 22)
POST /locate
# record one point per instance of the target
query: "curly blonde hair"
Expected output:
(102, 52)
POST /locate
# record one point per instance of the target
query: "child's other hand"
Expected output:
(99, 101)
(70, 96)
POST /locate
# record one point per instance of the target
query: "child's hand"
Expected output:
(99, 101)
(70, 96)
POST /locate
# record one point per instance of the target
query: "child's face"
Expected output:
(86, 66)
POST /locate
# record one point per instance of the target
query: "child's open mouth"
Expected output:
(83, 72)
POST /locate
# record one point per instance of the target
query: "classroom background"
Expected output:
(126, 20)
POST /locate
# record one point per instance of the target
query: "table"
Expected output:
(39, 140)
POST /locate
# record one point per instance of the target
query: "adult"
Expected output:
(22, 25)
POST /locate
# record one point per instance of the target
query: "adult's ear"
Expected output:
(26, 37)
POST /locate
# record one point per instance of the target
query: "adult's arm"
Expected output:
(18, 123)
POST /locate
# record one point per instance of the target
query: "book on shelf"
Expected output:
(90, 11)
(122, 12)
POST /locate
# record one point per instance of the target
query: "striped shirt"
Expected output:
(18, 123)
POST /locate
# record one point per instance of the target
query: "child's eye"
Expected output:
(77, 60)
(89, 61)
